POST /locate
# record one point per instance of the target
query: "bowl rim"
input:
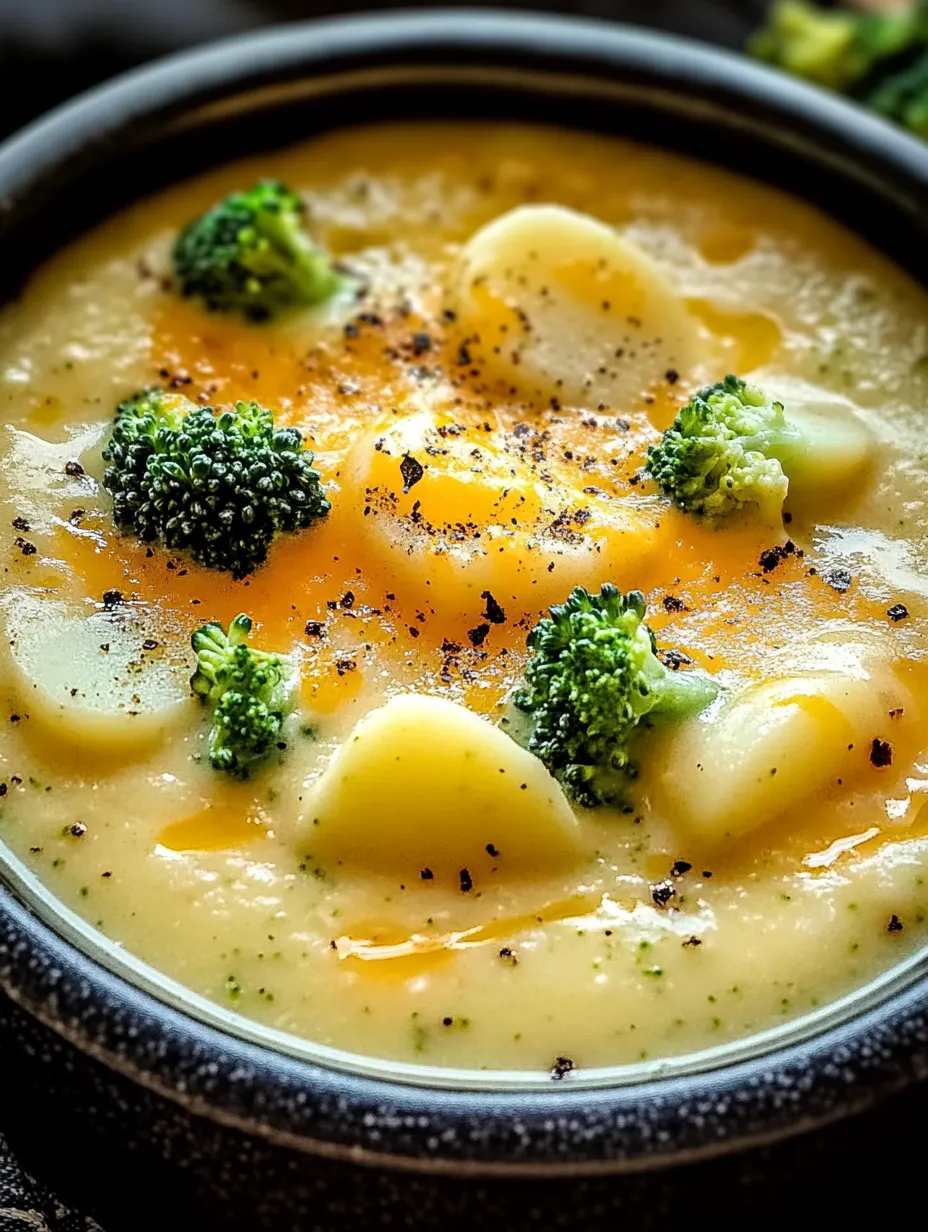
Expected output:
(408, 1119)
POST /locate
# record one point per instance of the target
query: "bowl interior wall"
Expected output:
(144, 155)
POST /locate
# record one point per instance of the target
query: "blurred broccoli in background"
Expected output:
(903, 97)
(880, 58)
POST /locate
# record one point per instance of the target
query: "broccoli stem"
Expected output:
(679, 695)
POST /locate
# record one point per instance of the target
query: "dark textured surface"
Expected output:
(826, 1175)
(27, 1203)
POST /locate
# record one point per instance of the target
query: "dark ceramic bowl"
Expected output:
(128, 1076)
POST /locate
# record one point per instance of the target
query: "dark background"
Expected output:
(52, 49)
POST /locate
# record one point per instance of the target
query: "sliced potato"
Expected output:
(753, 758)
(838, 446)
(87, 680)
(557, 303)
(426, 788)
(479, 517)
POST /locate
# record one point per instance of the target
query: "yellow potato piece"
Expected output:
(557, 303)
(839, 448)
(740, 765)
(423, 787)
(479, 517)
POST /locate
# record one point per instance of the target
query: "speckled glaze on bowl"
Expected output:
(194, 1110)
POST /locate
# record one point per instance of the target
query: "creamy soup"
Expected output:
(480, 393)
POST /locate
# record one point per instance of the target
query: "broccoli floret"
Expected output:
(593, 682)
(250, 254)
(218, 486)
(723, 451)
(837, 48)
(903, 97)
(247, 690)
(732, 447)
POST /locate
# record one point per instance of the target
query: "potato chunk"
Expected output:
(479, 517)
(837, 446)
(557, 303)
(424, 788)
(89, 681)
(739, 765)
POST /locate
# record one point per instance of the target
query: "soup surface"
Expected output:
(726, 894)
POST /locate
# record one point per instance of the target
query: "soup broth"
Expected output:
(466, 499)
